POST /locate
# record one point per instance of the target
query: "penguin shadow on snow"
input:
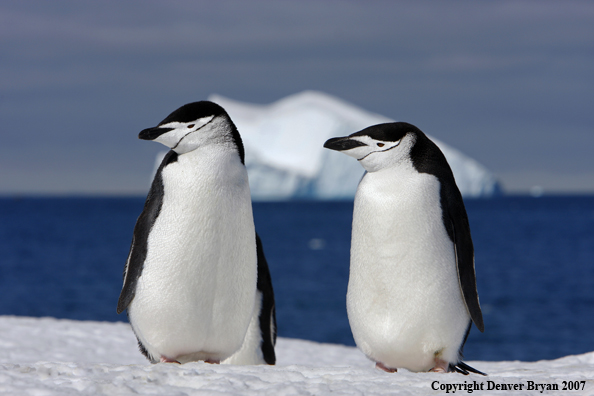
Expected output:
(412, 296)
(196, 282)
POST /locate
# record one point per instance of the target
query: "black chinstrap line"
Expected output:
(189, 133)
(381, 151)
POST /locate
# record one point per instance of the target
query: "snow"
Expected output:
(47, 356)
(285, 155)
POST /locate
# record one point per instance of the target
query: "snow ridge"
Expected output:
(47, 356)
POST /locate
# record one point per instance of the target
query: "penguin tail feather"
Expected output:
(463, 368)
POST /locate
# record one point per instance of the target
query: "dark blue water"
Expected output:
(64, 257)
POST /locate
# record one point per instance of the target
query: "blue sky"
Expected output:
(510, 83)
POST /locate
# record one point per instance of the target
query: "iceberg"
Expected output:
(285, 157)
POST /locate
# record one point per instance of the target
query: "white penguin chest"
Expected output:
(205, 222)
(197, 287)
(397, 224)
(403, 285)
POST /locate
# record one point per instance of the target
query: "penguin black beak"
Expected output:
(342, 143)
(153, 133)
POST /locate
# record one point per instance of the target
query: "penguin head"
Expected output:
(378, 146)
(195, 125)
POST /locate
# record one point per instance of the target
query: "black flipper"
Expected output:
(267, 316)
(464, 250)
(138, 249)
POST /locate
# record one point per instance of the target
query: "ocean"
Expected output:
(64, 257)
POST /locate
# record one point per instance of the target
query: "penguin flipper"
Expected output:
(267, 316)
(131, 274)
(139, 248)
(455, 215)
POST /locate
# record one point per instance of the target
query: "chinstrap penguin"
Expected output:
(412, 293)
(192, 278)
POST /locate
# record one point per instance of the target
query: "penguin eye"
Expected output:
(380, 145)
(190, 126)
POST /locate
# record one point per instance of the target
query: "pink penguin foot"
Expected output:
(167, 360)
(381, 366)
(441, 366)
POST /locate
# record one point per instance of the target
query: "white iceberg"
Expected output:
(285, 157)
(46, 356)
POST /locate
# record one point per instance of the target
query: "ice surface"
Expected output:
(285, 155)
(46, 356)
